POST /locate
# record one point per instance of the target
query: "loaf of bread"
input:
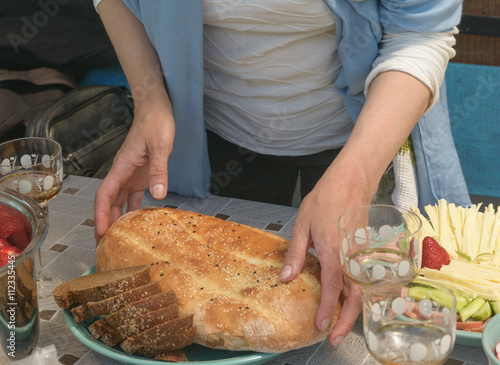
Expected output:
(226, 274)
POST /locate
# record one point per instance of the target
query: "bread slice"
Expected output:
(172, 343)
(98, 286)
(124, 315)
(114, 304)
(139, 324)
(158, 335)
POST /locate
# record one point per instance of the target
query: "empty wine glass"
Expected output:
(33, 166)
(410, 324)
(380, 245)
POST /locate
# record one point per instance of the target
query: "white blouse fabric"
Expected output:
(270, 68)
(269, 73)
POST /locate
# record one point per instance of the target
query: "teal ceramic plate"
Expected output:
(471, 339)
(199, 354)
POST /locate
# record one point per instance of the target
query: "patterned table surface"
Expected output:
(69, 249)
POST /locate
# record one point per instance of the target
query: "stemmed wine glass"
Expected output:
(33, 166)
(380, 245)
(411, 324)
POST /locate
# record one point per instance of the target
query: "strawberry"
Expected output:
(10, 250)
(4, 259)
(19, 239)
(6, 254)
(4, 242)
(434, 256)
(15, 227)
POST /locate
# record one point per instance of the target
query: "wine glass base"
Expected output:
(46, 284)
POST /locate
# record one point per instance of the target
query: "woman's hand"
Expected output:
(140, 162)
(142, 159)
(395, 103)
(316, 226)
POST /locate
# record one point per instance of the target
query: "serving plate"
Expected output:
(199, 354)
(466, 338)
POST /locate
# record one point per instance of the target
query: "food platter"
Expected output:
(466, 338)
(195, 353)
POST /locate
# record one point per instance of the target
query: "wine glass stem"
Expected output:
(40, 274)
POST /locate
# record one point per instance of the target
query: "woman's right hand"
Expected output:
(142, 159)
(140, 162)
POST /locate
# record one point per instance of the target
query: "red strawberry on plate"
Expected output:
(434, 256)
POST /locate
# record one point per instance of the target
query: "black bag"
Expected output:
(90, 123)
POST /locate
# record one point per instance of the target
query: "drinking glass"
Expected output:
(380, 245)
(410, 324)
(33, 166)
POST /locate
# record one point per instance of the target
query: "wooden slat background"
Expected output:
(479, 50)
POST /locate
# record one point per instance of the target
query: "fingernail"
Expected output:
(337, 341)
(287, 270)
(325, 324)
(158, 191)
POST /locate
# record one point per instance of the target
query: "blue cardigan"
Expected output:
(175, 28)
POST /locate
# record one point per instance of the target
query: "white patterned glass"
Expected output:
(380, 245)
(411, 324)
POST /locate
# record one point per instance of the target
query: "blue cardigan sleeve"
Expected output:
(175, 28)
(360, 26)
(428, 16)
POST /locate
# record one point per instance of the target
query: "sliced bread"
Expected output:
(115, 303)
(172, 343)
(157, 335)
(98, 286)
(139, 324)
(124, 315)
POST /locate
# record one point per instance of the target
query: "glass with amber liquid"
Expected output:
(33, 166)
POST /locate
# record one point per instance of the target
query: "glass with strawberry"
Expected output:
(33, 166)
(380, 245)
(23, 229)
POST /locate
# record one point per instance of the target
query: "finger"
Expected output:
(351, 308)
(104, 198)
(134, 200)
(158, 171)
(296, 254)
(331, 286)
(117, 207)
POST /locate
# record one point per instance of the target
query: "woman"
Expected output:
(330, 88)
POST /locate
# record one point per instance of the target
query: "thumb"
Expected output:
(296, 253)
(158, 173)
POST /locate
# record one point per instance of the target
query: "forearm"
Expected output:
(134, 49)
(394, 105)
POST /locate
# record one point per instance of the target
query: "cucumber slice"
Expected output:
(418, 292)
(461, 301)
(495, 306)
(482, 313)
(471, 308)
(443, 298)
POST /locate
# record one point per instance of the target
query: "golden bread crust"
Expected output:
(224, 273)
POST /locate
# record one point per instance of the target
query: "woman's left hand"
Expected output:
(316, 226)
